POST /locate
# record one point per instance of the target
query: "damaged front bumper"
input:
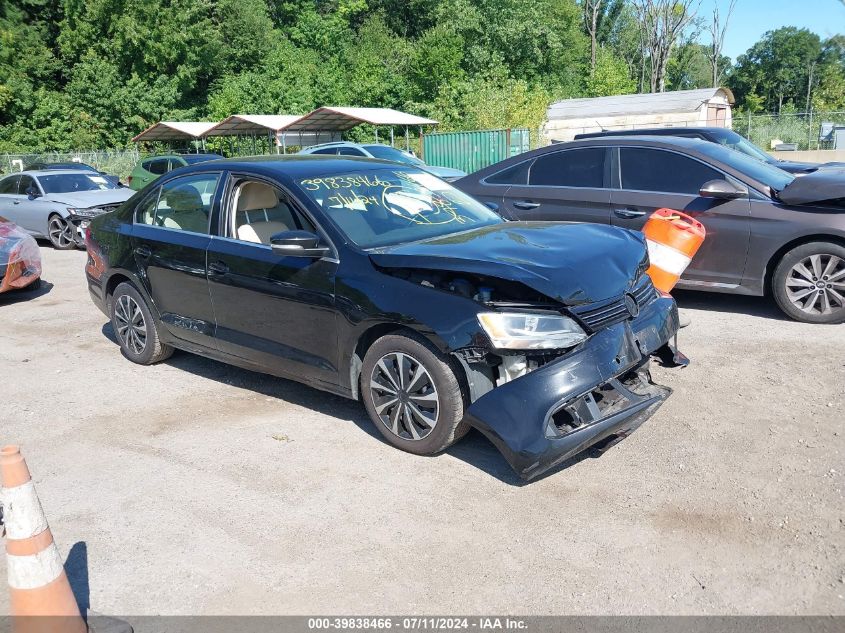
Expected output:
(595, 395)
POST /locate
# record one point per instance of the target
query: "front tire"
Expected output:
(809, 283)
(135, 328)
(61, 233)
(412, 394)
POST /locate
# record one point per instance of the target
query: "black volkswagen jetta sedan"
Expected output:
(379, 281)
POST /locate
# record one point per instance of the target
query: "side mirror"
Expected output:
(298, 244)
(721, 190)
(32, 193)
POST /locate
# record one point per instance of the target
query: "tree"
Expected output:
(830, 91)
(718, 29)
(779, 68)
(689, 66)
(662, 23)
(592, 10)
(611, 76)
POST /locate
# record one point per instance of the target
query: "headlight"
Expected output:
(525, 330)
(84, 213)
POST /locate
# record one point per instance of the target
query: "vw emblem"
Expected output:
(632, 305)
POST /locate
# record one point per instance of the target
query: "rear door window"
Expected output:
(325, 150)
(183, 204)
(350, 151)
(157, 166)
(9, 185)
(644, 169)
(515, 175)
(570, 168)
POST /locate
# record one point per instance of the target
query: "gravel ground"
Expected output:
(192, 487)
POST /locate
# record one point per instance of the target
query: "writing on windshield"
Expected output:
(386, 207)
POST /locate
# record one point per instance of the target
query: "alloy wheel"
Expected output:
(816, 284)
(131, 327)
(404, 396)
(61, 232)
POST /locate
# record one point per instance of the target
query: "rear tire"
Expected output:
(809, 283)
(135, 327)
(412, 394)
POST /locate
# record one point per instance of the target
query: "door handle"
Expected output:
(629, 213)
(218, 268)
(143, 251)
(16, 201)
(526, 204)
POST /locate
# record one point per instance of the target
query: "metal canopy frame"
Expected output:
(176, 131)
(334, 120)
(321, 125)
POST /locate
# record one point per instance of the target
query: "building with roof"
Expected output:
(707, 106)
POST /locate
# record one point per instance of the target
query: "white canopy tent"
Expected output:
(333, 121)
(322, 125)
(254, 125)
(175, 131)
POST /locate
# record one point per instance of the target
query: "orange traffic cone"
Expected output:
(673, 239)
(38, 585)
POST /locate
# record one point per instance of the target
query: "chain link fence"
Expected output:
(116, 162)
(804, 130)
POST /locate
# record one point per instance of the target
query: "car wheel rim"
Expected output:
(131, 327)
(404, 396)
(816, 284)
(61, 233)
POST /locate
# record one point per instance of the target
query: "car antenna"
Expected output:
(601, 127)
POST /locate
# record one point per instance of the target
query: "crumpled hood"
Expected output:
(819, 186)
(571, 263)
(85, 199)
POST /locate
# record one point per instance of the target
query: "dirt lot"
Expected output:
(195, 488)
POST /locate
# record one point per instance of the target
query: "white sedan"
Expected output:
(58, 204)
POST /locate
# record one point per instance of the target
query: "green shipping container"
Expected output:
(471, 151)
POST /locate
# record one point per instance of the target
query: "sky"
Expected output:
(752, 18)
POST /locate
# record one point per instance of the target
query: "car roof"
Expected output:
(294, 165)
(183, 155)
(659, 131)
(339, 144)
(56, 172)
(68, 164)
(657, 140)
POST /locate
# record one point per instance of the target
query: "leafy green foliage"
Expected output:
(84, 74)
(778, 67)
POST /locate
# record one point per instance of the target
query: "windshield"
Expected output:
(773, 177)
(392, 206)
(386, 152)
(742, 144)
(70, 183)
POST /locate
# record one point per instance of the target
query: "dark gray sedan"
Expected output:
(767, 231)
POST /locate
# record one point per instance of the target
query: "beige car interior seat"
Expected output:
(260, 214)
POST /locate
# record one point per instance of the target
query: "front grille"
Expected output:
(598, 316)
(107, 207)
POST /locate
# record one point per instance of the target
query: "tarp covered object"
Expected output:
(20, 258)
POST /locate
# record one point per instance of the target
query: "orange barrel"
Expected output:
(673, 238)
